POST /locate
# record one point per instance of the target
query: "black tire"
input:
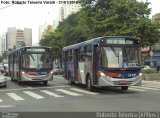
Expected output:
(5, 86)
(45, 83)
(89, 85)
(12, 79)
(125, 88)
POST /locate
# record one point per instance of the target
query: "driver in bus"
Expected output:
(45, 61)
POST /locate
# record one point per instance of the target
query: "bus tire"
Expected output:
(89, 85)
(70, 82)
(45, 83)
(125, 88)
(12, 79)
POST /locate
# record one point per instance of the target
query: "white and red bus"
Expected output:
(104, 61)
(31, 63)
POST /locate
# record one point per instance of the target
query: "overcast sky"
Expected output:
(32, 15)
(29, 16)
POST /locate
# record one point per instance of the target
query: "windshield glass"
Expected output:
(119, 57)
(37, 60)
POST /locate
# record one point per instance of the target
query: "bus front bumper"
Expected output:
(37, 78)
(109, 81)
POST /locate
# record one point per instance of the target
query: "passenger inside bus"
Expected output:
(45, 61)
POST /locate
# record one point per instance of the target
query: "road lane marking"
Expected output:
(6, 106)
(69, 92)
(28, 87)
(50, 93)
(83, 91)
(58, 78)
(148, 86)
(35, 88)
(34, 95)
(145, 88)
(15, 96)
(136, 89)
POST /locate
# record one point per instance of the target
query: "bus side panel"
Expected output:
(76, 66)
(95, 64)
(88, 70)
(84, 69)
(11, 65)
(81, 72)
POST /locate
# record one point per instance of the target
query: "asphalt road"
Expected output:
(58, 96)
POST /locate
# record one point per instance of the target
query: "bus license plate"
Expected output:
(123, 82)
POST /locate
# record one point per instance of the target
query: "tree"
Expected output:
(121, 17)
(74, 29)
(1, 58)
(5, 55)
(54, 41)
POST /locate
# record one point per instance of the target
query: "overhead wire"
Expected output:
(6, 6)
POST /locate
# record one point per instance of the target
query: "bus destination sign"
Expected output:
(118, 40)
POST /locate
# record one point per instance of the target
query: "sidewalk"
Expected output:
(151, 77)
(151, 84)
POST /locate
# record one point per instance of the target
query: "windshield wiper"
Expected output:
(32, 57)
(116, 52)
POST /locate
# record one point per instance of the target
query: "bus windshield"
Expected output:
(37, 60)
(119, 57)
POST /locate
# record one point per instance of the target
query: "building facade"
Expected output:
(43, 30)
(15, 38)
(3, 43)
(68, 9)
(18, 37)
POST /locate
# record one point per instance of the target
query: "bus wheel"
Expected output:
(12, 79)
(45, 83)
(70, 82)
(124, 88)
(89, 86)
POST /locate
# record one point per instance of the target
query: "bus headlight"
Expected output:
(24, 74)
(140, 74)
(51, 72)
(101, 74)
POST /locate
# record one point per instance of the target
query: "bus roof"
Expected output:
(92, 41)
(17, 49)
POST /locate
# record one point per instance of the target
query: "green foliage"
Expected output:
(1, 59)
(121, 17)
(148, 71)
(54, 41)
(74, 29)
(5, 55)
(104, 18)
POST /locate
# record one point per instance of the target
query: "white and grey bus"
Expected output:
(104, 61)
(31, 63)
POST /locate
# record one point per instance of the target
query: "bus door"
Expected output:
(96, 51)
(65, 63)
(75, 64)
